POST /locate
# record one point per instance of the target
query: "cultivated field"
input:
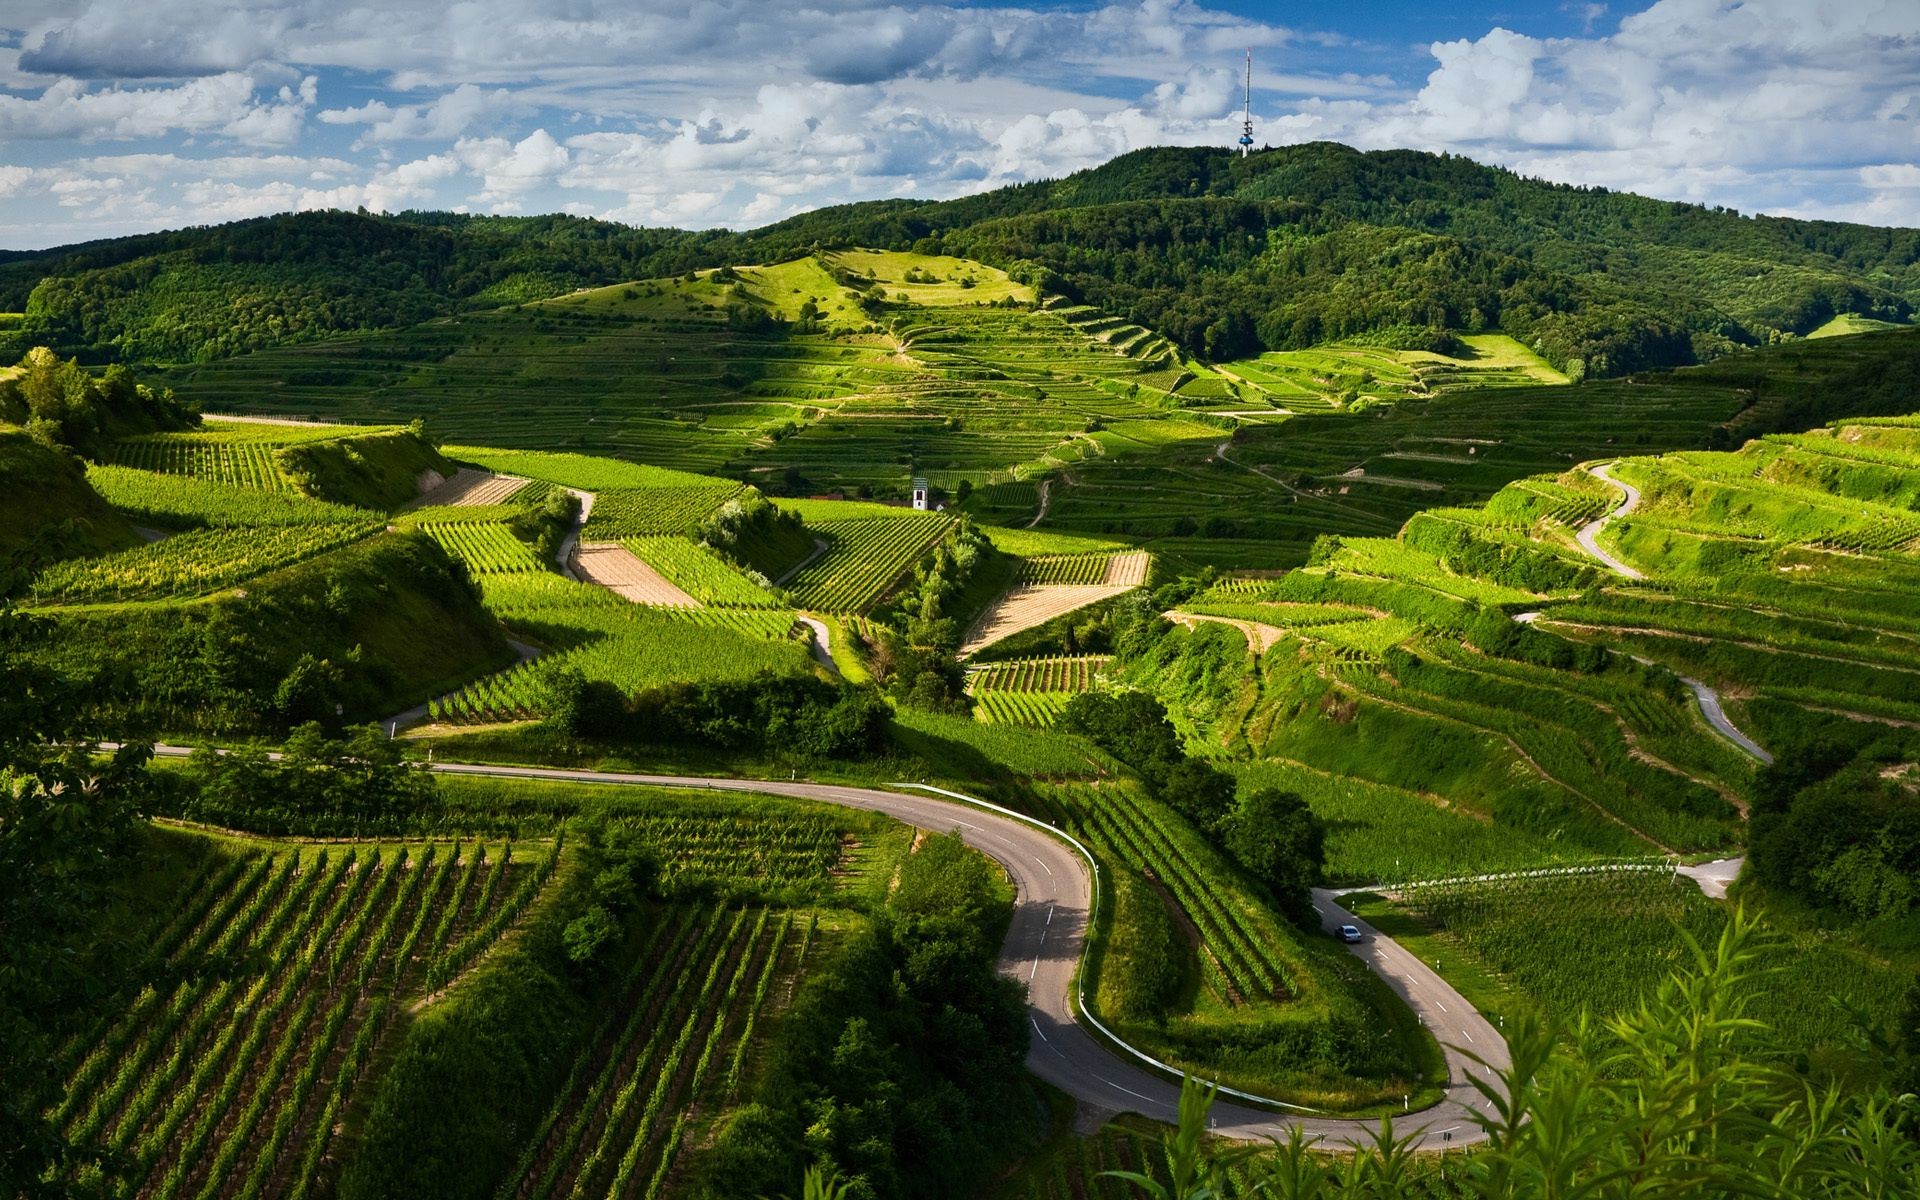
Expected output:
(614, 567)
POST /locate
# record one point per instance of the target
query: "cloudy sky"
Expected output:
(120, 116)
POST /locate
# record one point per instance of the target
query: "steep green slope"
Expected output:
(205, 293)
(50, 512)
(372, 629)
(1299, 243)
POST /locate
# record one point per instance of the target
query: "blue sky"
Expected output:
(120, 116)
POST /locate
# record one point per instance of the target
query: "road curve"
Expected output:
(1054, 889)
(1717, 718)
(1590, 532)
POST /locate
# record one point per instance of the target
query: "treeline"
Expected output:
(1308, 243)
(1290, 247)
(197, 294)
(784, 717)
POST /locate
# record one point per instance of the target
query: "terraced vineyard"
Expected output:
(1269, 1004)
(286, 970)
(185, 501)
(866, 558)
(190, 564)
(677, 1037)
(701, 573)
(486, 549)
(1030, 691)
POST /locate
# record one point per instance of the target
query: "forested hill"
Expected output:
(215, 291)
(1289, 247)
(1308, 243)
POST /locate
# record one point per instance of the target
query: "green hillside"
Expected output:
(51, 513)
(1228, 257)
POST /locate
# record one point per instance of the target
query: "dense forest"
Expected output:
(1289, 247)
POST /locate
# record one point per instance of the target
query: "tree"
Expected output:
(1280, 842)
(67, 822)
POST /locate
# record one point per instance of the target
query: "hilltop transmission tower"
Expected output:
(1246, 129)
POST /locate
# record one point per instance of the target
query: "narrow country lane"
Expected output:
(1590, 532)
(1054, 888)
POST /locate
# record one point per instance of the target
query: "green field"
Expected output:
(941, 380)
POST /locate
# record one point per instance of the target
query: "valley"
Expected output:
(885, 705)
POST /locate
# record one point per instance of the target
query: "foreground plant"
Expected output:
(1684, 1096)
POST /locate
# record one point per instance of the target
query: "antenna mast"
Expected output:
(1246, 129)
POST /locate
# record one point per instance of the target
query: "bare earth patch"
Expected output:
(470, 487)
(615, 568)
(1031, 604)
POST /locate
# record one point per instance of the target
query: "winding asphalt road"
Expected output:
(1054, 888)
(1709, 699)
(1590, 532)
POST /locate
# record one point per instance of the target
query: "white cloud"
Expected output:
(508, 170)
(225, 104)
(699, 112)
(448, 116)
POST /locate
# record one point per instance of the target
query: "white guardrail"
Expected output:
(1079, 974)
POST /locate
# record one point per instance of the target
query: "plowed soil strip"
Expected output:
(1029, 605)
(471, 487)
(615, 568)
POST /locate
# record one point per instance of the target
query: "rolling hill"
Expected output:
(1289, 248)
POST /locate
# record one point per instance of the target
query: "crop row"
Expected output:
(1071, 568)
(486, 549)
(242, 464)
(177, 500)
(632, 648)
(643, 512)
(191, 563)
(699, 572)
(618, 1123)
(1058, 674)
(287, 971)
(1152, 839)
(867, 557)
(1020, 708)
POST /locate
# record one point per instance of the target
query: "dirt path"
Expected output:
(469, 487)
(1030, 604)
(564, 554)
(1046, 501)
(1260, 638)
(822, 642)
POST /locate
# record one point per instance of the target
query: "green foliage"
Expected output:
(1283, 844)
(1133, 727)
(51, 513)
(899, 1065)
(472, 1072)
(369, 628)
(205, 293)
(790, 717)
(63, 405)
(67, 824)
(752, 531)
(380, 471)
(358, 785)
(1683, 1092)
